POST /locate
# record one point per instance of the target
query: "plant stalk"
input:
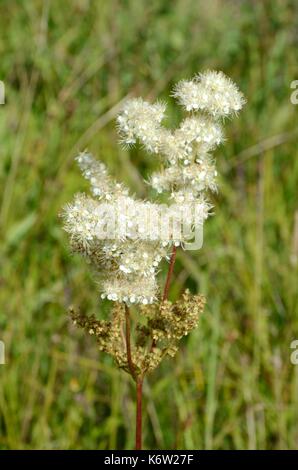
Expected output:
(169, 275)
(138, 380)
(128, 343)
(139, 414)
(168, 283)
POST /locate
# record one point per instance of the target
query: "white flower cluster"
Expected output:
(125, 239)
(198, 176)
(209, 97)
(141, 120)
(102, 185)
(111, 232)
(211, 92)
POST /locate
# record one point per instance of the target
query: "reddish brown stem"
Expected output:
(138, 380)
(128, 344)
(139, 414)
(169, 275)
(168, 283)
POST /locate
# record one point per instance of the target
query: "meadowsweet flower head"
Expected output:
(124, 238)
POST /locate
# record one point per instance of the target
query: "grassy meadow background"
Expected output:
(67, 66)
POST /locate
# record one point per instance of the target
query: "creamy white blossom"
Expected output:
(212, 92)
(137, 290)
(200, 176)
(102, 185)
(141, 121)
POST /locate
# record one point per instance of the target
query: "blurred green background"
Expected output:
(67, 66)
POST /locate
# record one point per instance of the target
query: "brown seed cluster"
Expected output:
(155, 336)
(172, 321)
(108, 333)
